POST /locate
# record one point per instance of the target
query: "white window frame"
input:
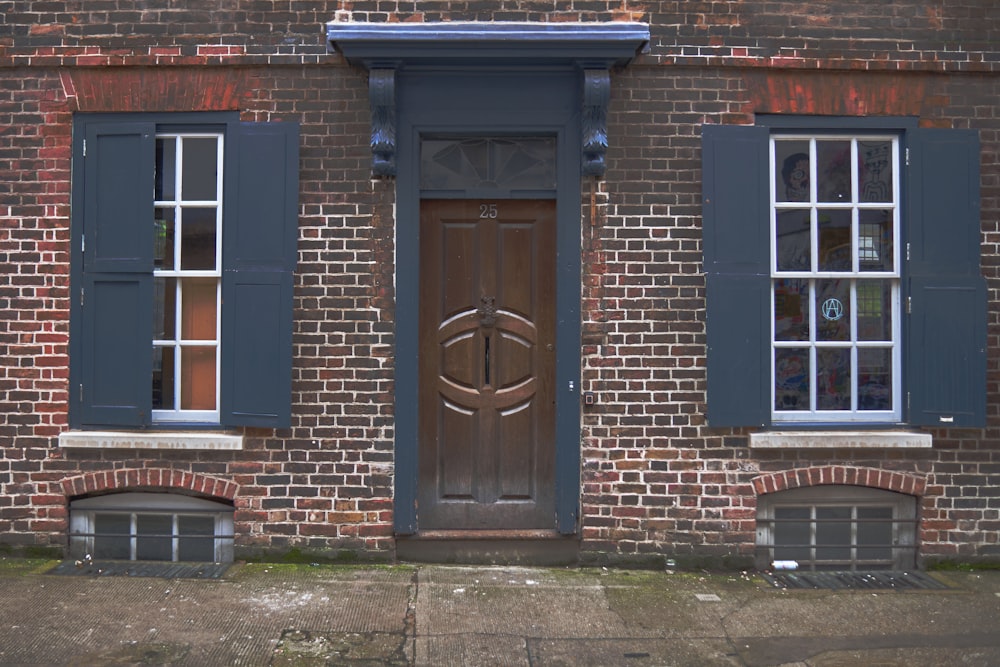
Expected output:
(814, 415)
(134, 504)
(178, 203)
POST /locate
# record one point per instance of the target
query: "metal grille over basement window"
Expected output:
(151, 526)
(836, 528)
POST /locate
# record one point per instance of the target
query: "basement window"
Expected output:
(836, 528)
(151, 526)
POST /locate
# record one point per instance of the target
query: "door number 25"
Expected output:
(488, 211)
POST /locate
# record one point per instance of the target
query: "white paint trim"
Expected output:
(840, 440)
(192, 440)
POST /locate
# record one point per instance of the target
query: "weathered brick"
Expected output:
(655, 476)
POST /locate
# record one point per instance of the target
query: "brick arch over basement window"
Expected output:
(148, 479)
(848, 475)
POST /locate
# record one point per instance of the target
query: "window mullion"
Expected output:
(133, 535)
(174, 538)
(812, 537)
(178, 348)
(854, 537)
(813, 356)
(854, 307)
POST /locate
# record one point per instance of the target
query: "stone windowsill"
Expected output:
(192, 440)
(840, 440)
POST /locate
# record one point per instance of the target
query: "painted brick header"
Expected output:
(849, 475)
(948, 36)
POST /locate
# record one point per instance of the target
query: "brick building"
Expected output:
(594, 281)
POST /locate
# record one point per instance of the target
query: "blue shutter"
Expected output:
(116, 350)
(116, 297)
(260, 234)
(736, 242)
(118, 201)
(946, 335)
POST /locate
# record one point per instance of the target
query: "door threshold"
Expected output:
(489, 547)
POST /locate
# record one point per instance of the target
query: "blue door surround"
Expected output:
(489, 79)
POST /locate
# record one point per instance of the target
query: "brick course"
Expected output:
(656, 479)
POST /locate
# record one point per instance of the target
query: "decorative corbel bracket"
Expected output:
(596, 95)
(592, 47)
(382, 100)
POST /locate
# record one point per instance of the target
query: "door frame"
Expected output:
(490, 103)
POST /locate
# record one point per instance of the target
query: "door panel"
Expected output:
(487, 363)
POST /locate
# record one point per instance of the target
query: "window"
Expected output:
(838, 254)
(837, 528)
(151, 526)
(835, 278)
(185, 232)
(187, 260)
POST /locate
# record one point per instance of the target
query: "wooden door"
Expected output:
(487, 365)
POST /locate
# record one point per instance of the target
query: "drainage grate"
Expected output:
(134, 568)
(854, 580)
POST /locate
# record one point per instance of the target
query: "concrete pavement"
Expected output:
(300, 615)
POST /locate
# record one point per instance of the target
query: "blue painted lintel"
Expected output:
(590, 44)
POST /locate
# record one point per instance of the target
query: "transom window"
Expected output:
(187, 276)
(835, 278)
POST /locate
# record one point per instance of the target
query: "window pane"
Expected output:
(198, 309)
(792, 166)
(834, 240)
(163, 239)
(833, 171)
(166, 169)
(791, 309)
(198, 378)
(527, 163)
(521, 163)
(163, 378)
(875, 528)
(874, 379)
(793, 242)
(200, 169)
(833, 316)
(154, 541)
(792, 533)
(106, 527)
(876, 171)
(164, 308)
(791, 379)
(833, 379)
(833, 527)
(196, 548)
(198, 239)
(875, 250)
(874, 299)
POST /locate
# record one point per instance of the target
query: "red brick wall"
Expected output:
(656, 479)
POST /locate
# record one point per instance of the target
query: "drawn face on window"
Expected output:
(795, 174)
(876, 171)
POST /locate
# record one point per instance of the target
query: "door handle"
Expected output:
(487, 311)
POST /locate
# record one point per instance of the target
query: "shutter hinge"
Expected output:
(84, 148)
(909, 305)
(907, 402)
(81, 392)
(907, 251)
(907, 157)
(81, 297)
(83, 243)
